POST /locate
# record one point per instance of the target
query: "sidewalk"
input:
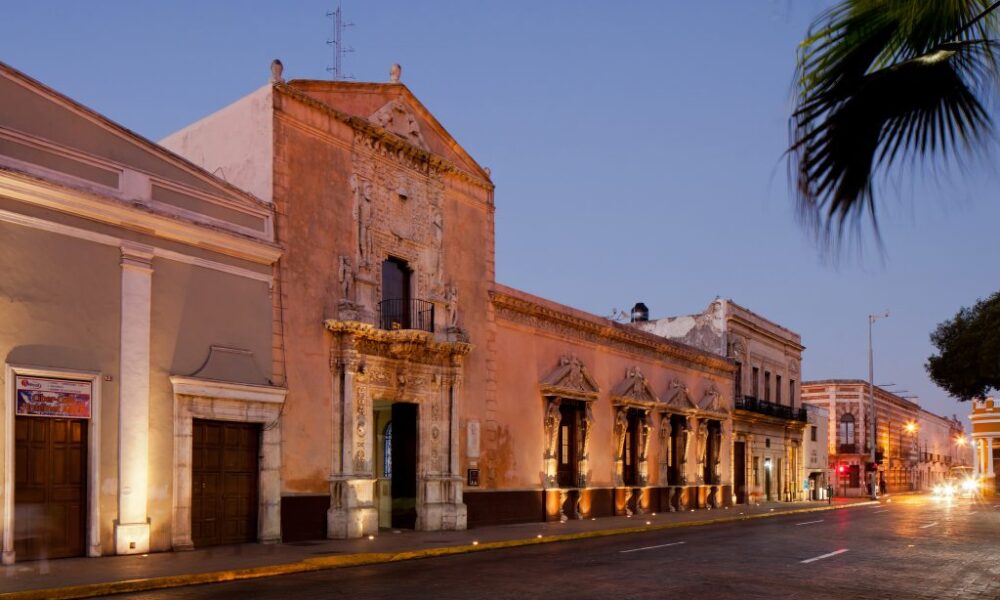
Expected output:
(88, 577)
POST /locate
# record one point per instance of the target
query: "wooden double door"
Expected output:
(50, 487)
(224, 472)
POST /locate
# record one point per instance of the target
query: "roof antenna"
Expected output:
(339, 49)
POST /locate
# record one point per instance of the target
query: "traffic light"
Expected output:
(841, 469)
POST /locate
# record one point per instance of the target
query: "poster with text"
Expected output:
(45, 397)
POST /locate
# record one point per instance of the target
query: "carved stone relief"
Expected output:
(396, 116)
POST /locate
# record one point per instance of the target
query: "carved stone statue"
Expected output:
(702, 441)
(687, 433)
(666, 447)
(584, 462)
(451, 298)
(346, 279)
(716, 442)
(621, 426)
(552, 418)
(362, 191)
(437, 231)
(645, 427)
(395, 71)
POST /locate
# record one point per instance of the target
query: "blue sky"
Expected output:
(636, 148)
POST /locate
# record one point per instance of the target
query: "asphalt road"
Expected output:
(912, 547)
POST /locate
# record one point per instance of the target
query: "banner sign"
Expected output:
(44, 397)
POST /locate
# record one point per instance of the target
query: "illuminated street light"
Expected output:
(960, 440)
(910, 427)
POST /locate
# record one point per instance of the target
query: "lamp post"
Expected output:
(911, 428)
(871, 404)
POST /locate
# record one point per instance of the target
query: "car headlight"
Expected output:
(970, 485)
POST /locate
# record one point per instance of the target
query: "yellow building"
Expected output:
(985, 419)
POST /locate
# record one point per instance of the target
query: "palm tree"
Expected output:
(882, 81)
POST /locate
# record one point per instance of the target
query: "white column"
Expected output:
(132, 528)
(989, 457)
(975, 457)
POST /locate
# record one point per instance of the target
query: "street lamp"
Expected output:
(871, 400)
(911, 428)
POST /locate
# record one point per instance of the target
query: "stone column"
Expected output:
(132, 527)
(269, 530)
(989, 457)
(441, 505)
(975, 457)
(352, 512)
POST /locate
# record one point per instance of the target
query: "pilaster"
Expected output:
(132, 526)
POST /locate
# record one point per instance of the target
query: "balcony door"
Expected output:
(395, 305)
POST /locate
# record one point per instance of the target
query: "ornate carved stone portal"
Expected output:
(569, 381)
(370, 365)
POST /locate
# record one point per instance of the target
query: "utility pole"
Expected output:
(871, 403)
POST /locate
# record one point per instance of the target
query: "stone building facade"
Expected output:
(135, 331)
(423, 393)
(916, 448)
(768, 418)
(816, 444)
(985, 443)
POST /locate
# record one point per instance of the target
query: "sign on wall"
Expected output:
(45, 397)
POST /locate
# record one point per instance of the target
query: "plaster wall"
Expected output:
(234, 143)
(60, 301)
(192, 309)
(525, 355)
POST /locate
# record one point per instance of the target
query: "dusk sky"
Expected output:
(636, 148)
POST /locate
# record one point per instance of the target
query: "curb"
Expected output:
(354, 560)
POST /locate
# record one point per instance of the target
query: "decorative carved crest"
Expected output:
(396, 117)
(570, 380)
(678, 398)
(737, 349)
(634, 389)
(711, 401)
(793, 367)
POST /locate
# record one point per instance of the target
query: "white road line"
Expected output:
(929, 525)
(809, 522)
(822, 556)
(651, 547)
(880, 511)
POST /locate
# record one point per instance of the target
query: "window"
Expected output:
(846, 434)
(767, 386)
(630, 448)
(777, 389)
(791, 393)
(756, 382)
(739, 381)
(812, 433)
(387, 451)
(570, 414)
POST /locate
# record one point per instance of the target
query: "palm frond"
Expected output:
(880, 81)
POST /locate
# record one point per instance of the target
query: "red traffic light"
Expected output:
(841, 468)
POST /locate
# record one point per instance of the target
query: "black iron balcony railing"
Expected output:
(771, 409)
(847, 449)
(397, 313)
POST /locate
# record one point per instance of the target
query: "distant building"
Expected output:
(768, 420)
(985, 419)
(817, 450)
(914, 448)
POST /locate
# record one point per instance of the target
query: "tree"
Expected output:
(968, 363)
(880, 82)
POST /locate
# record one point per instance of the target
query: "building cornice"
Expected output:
(604, 331)
(38, 191)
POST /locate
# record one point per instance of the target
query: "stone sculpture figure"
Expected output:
(621, 426)
(363, 215)
(451, 298)
(685, 445)
(346, 278)
(666, 431)
(716, 442)
(702, 442)
(437, 231)
(552, 418)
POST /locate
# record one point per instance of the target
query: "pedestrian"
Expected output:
(829, 493)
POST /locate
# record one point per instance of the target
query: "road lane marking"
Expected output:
(880, 511)
(651, 547)
(822, 556)
(809, 522)
(929, 525)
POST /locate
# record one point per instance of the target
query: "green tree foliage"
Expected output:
(968, 361)
(880, 82)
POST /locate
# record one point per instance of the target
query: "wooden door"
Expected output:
(740, 471)
(50, 487)
(224, 474)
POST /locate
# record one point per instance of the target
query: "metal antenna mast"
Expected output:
(339, 49)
